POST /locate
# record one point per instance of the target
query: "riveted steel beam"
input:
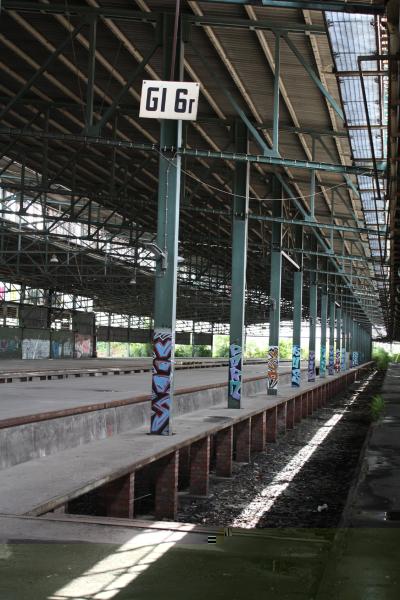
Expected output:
(328, 5)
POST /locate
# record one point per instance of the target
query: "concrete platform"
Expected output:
(41, 419)
(40, 485)
(19, 400)
(14, 370)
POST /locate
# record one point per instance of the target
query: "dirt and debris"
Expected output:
(302, 480)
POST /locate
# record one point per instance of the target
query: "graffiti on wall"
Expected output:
(272, 367)
(235, 372)
(162, 374)
(337, 361)
(68, 349)
(331, 360)
(56, 349)
(296, 358)
(322, 362)
(83, 346)
(62, 349)
(343, 360)
(35, 348)
(9, 346)
(311, 365)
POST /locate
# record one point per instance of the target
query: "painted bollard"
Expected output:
(296, 358)
(235, 376)
(161, 382)
(272, 369)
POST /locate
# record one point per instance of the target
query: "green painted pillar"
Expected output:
(338, 338)
(357, 344)
(350, 343)
(370, 343)
(332, 307)
(344, 337)
(313, 299)
(169, 184)
(275, 291)
(353, 344)
(324, 318)
(297, 309)
(348, 331)
(239, 256)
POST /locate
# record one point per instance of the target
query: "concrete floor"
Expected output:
(365, 561)
(17, 365)
(20, 399)
(148, 565)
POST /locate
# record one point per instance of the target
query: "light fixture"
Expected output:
(54, 260)
(158, 253)
(132, 280)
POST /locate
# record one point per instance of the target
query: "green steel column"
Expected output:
(370, 342)
(275, 291)
(297, 310)
(169, 183)
(313, 318)
(332, 306)
(239, 257)
(350, 342)
(354, 344)
(362, 344)
(338, 338)
(357, 345)
(344, 336)
(324, 317)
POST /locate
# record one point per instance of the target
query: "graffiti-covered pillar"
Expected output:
(324, 317)
(239, 257)
(313, 316)
(338, 338)
(331, 367)
(297, 309)
(169, 183)
(275, 290)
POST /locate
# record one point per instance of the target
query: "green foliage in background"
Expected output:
(377, 407)
(381, 358)
(254, 349)
(183, 351)
(138, 350)
(221, 346)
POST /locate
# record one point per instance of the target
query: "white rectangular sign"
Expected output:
(169, 100)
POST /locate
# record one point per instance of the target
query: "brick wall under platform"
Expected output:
(224, 449)
(272, 424)
(199, 467)
(243, 433)
(116, 497)
(258, 432)
(166, 489)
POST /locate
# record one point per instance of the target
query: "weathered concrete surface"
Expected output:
(18, 399)
(126, 565)
(378, 487)
(366, 556)
(39, 485)
(13, 370)
(24, 437)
